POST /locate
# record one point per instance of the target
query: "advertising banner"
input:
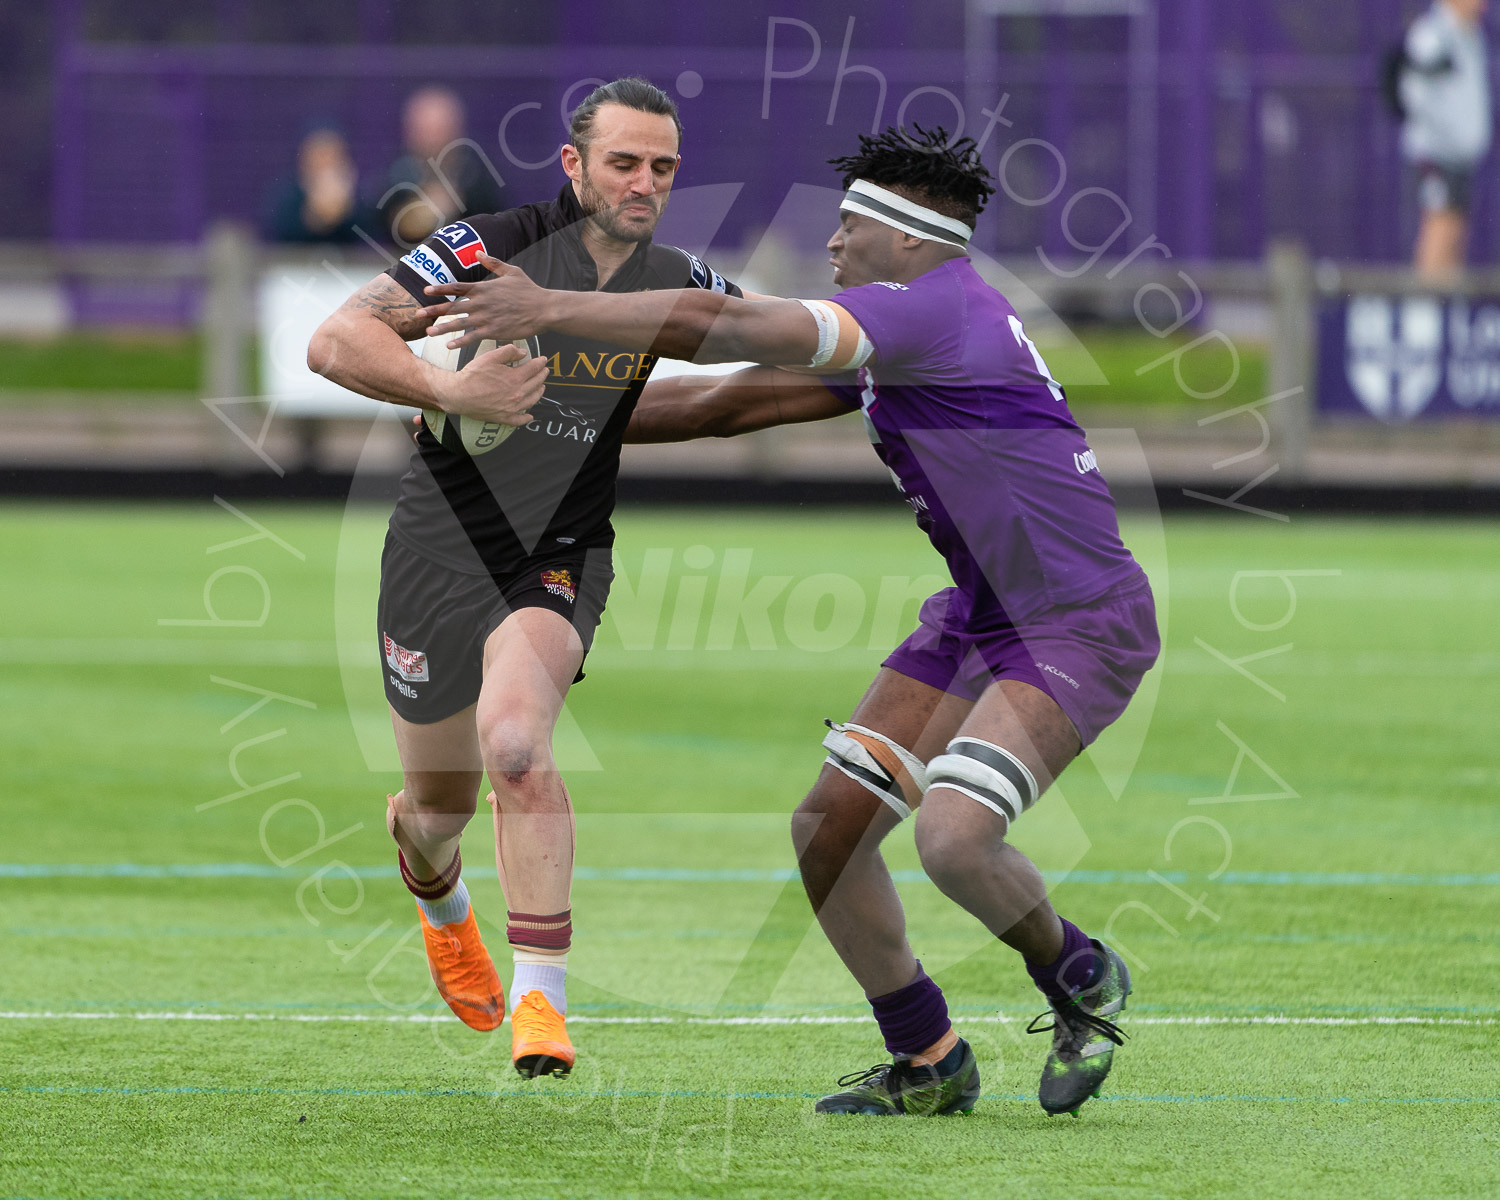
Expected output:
(1404, 358)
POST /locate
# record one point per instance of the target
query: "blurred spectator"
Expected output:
(322, 203)
(442, 175)
(1445, 92)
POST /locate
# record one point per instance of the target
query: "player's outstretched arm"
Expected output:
(688, 406)
(362, 346)
(689, 323)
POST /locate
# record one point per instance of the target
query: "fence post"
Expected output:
(1293, 359)
(228, 310)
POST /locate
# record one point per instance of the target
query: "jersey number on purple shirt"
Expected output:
(1052, 385)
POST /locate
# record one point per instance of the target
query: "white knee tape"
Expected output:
(875, 762)
(987, 773)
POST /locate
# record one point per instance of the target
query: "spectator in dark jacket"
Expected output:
(322, 203)
(442, 175)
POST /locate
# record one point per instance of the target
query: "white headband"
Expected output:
(898, 212)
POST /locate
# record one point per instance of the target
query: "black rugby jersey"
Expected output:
(551, 484)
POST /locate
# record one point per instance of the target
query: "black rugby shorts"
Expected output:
(1442, 187)
(433, 621)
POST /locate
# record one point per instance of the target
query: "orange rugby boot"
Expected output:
(539, 1042)
(463, 972)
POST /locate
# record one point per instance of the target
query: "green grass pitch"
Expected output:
(209, 985)
(96, 369)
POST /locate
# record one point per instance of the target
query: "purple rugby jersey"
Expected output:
(961, 409)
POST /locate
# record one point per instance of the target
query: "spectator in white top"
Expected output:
(1445, 91)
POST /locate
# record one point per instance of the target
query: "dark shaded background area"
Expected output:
(1221, 126)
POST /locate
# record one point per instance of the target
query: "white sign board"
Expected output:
(291, 303)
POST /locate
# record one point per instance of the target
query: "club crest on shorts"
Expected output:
(411, 665)
(560, 583)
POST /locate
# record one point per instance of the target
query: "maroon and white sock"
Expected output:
(540, 943)
(444, 900)
(540, 931)
(543, 973)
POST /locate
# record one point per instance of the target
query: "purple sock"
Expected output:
(912, 1018)
(1074, 970)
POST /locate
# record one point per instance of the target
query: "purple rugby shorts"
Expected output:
(1089, 658)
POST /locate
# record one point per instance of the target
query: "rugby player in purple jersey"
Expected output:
(1036, 648)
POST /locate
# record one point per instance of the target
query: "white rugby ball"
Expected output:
(460, 434)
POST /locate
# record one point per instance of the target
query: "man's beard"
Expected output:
(608, 219)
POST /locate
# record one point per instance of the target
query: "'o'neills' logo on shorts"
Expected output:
(560, 583)
(411, 665)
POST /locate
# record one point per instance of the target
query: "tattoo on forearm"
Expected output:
(391, 303)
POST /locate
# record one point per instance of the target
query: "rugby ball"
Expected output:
(460, 434)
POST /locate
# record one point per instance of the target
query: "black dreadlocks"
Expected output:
(951, 179)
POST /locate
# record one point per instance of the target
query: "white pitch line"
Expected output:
(808, 1019)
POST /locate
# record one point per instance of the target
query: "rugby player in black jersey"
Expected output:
(496, 567)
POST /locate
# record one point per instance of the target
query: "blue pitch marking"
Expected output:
(740, 875)
(680, 1094)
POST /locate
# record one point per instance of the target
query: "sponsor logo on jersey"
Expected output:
(698, 268)
(895, 287)
(411, 665)
(405, 689)
(466, 245)
(428, 265)
(600, 369)
(560, 583)
(705, 276)
(1085, 462)
(564, 421)
(597, 371)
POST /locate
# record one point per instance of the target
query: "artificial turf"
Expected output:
(1300, 866)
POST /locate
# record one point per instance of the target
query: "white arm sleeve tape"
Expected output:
(828, 331)
(827, 318)
(987, 773)
(854, 759)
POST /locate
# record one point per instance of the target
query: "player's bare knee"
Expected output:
(833, 819)
(513, 751)
(810, 819)
(951, 852)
